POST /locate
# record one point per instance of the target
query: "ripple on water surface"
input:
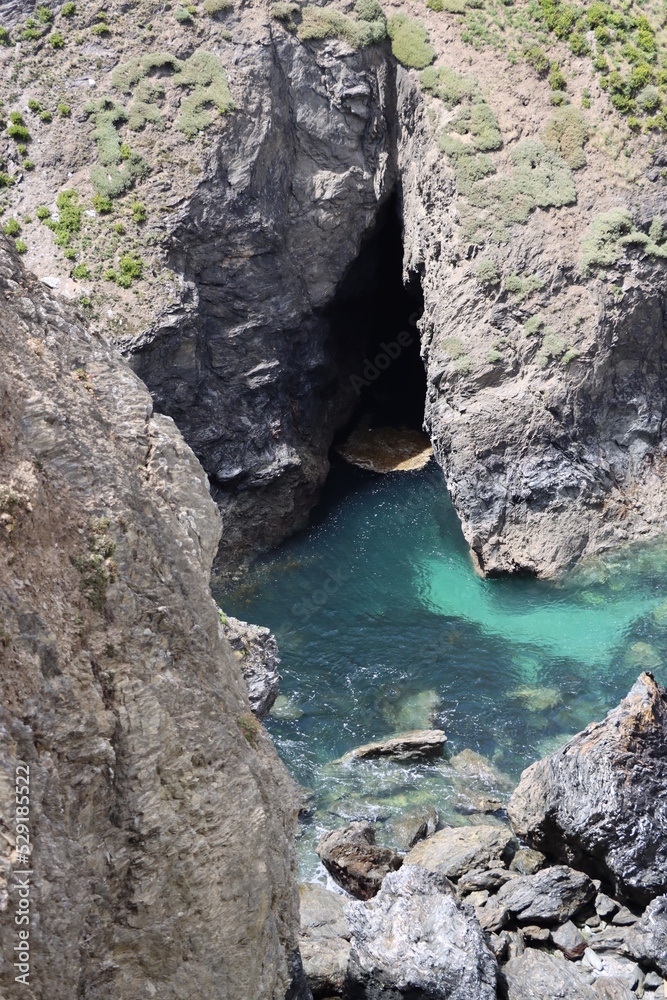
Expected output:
(383, 626)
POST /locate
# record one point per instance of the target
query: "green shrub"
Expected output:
(318, 23)
(46, 116)
(450, 87)
(20, 246)
(106, 114)
(204, 74)
(566, 133)
(522, 287)
(533, 325)
(481, 124)
(28, 165)
(536, 57)
(143, 109)
(56, 40)
(64, 110)
(4, 36)
(541, 174)
(487, 273)
(648, 98)
(578, 44)
(69, 253)
(132, 265)
(368, 10)
(110, 275)
(102, 205)
(494, 356)
(19, 133)
(468, 167)
(33, 106)
(112, 181)
(68, 9)
(452, 347)
(601, 246)
(552, 348)
(5, 180)
(69, 214)
(80, 271)
(138, 212)
(32, 30)
(101, 30)
(42, 212)
(217, 6)
(12, 227)
(119, 228)
(410, 42)
(45, 14)
(182, 15)
(557, 80)
(285, 12)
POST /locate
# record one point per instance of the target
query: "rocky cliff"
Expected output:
(524, 146)
(160, 818)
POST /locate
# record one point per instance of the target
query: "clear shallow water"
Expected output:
(383, 626)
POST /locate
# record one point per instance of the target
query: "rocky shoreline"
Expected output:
(562, 898)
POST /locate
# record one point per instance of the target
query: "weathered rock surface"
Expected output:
(414, 940)
(355, 861)
(161, 830)
(599, 802)
(325, 940)
(552, 895)
(460, 849)
(420, 744)
(538, 975)
(257, 650)
(410, 827)
(569, 940)
(646, 941)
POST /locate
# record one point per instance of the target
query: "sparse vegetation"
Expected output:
(410, 42)
(250, 727)
(68, 9)
(12, 227)
(217, 6)
(611, 231)
(20, 246)
(566, 133)
(487, 273)
(318, 23)
(96, 568)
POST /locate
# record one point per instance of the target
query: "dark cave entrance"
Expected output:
(374, 324)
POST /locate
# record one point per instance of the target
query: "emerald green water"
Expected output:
(383, 626)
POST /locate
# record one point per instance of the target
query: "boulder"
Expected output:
(552, 895)
(325, 940)
(527, 861)
(257, 651)
(416, 941)
(412, 826)
(605, 906)
(539, 975)
(420, 744)
(646, 941)
(458, 849)
(569, 940)
(490, 879)
(610, 988)
(355, 861)
(599, 802)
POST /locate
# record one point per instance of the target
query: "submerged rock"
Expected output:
(537, 699)
(325, 940)
(459, 849)
(415, 940)
(420, 744)
(415, 711)
(387, 449)
(257, 650)
(410, 827)
(599, 802)
(355, 861)
(552, 895)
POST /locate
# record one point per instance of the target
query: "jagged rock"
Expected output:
(355, 861)
(646, 941)
(620, 968)
(597, 802)
(535, 934)
(158, 807)
(258, 652)
(538, 975)
(325, 940)
(492, 915)
(605, 906)
(552, 895)
(414, 940)
(420, 744)
(527, 862)
(569, 940)
(609, 988)
(483, 878)
(624, 917)
(459, 849)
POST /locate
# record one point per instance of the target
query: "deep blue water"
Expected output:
(383, 626)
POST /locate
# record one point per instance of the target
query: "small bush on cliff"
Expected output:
(250, 727)
(480, 123)
(566, 133)
(450, 87)
(318, 23)
(20, 246)
(285, 12)
(106, 114)
(611, 231)
(12, 227)
(96, 568)
(410, 42)
(204, 74)
(487, 274)
(217, 6)
(552, 348)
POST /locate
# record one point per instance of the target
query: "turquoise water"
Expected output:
(383, 626)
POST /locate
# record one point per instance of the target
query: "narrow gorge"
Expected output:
(332, 500)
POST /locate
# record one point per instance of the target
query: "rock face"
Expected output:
(416, 941)
(421, 744)
(257, 650)
(598, 803)
(646, 941)
(161, 817)
(325, 940)
(459, 849)
(552, 895)
(537, 975)
(355, 861)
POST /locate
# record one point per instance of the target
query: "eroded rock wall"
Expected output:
(161, 818)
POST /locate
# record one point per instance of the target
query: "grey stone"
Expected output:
(410, 827)
(458, 849)
(420, 744)
(605, 906)
(618, 967)
(257, 651)
(483, 878)
(538, 975)
(415, 940)
(569, 940)
(624, 917)
(646, 941)
(325, 940)
(527, 862)
(551, 895)
(355, 861)
(610, 988)
(596, 803)
(492, 915)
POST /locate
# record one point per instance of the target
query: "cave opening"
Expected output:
(374, 325)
